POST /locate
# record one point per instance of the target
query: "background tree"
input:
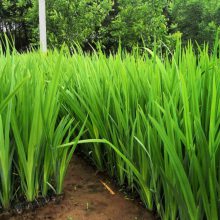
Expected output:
(13, 21)
(196, 20)
(132, 22)
(107, 21)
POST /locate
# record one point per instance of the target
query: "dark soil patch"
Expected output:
(86, 198)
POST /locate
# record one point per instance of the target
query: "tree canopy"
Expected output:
(132, 22)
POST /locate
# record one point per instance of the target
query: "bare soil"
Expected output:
(88, 196)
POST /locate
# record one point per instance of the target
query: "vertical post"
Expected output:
(42, 25)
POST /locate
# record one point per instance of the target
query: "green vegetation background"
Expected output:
(108, 21)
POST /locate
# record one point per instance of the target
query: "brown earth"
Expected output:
(87, 198)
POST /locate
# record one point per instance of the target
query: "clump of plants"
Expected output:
(162, 115)
(152, 122)
(31, 128)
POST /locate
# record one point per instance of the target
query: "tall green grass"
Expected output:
(163, 115)
(153, 123)
(31, 127)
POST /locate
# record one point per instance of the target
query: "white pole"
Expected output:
(42, 25)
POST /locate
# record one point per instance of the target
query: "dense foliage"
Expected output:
(110, 21)
(31, 128)
(13, 21)
(196, 20)
(154, 122)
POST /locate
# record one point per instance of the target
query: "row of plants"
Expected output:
(162, 113)
(152, 121)
(31, 127)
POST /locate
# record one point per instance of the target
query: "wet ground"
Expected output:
(88, 196)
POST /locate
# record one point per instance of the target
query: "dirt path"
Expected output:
(86, 198)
